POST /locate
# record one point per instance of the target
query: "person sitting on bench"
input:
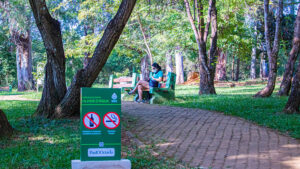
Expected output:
(153, 81)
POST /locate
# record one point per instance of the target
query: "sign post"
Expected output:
(100, 128)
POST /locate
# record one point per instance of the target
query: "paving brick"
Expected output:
(209, 139)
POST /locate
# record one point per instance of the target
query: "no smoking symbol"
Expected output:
(111, 120)
(91, 120)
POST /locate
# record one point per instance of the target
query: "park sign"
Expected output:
(100, 128)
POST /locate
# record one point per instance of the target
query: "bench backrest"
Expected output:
(123, 81)
(169, 80)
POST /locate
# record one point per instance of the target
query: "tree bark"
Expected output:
(237, 72)
(55, 85)
(24, 60)
(169, 62)
(253, 63)
(253, 55)
(70, 105)
(271, 51)
(145, 68)
(232, 67)
(179, 66)
(221, 66)
(207, 64)
(289, 67)
(293, 103)
(148, 50)
(5, 128)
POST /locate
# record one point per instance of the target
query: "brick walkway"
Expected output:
(207, 139)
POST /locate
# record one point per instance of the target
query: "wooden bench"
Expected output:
(125, 83)
(6, 89)
(165, 90)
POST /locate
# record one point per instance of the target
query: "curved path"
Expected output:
(207, 139)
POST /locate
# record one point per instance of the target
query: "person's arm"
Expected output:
(160, 77)
(157, 79)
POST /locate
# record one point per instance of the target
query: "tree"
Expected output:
(201, 32)
(293, 102)
(5, 128)
(56, 100)
(19, 21)
(221, 66)
(253, 55)
(272, 51)
(179, 66)
(285, 85)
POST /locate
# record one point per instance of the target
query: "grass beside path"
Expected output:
(44, 143)
(238, 101)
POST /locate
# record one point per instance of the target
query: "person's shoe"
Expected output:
(130, 92)
(140, 101)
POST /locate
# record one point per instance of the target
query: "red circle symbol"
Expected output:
(111, 120)
(91, 120)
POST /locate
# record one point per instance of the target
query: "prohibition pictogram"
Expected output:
(91, 120)
(111, 120)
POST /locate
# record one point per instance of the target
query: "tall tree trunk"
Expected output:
(289, 67)
(70, 105)
(169, 62)
(55, 85)
(253, 55)
(5, 128)
(293, 103)
(148, 50)
(233, 67)
(237, 72)
(221, 66)
(207, 64)
(23, 59)
(179, 66)
(253, 63)
(145, 68)
(272, 52)
(263, 66)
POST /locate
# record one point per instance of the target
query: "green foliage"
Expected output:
(7, 60)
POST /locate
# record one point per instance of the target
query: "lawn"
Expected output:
(238, 101)
(44, 143)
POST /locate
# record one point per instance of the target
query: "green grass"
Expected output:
(238, 101)
(44, 143)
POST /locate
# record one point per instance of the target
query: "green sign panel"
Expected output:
(100, 127)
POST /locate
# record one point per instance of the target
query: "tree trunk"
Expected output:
(148, 50)
(232, 68)
(207, 65)
(145, 68)
(5, 128)
(253, 63)
(253, 55)
(23, 59)
(289, 67)
(271, 51)
(263, 67)
(55, 85)
(169, 62)
(237, 72)
(179, 66)
(293, 103)
(221, 66)
(70, 105)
